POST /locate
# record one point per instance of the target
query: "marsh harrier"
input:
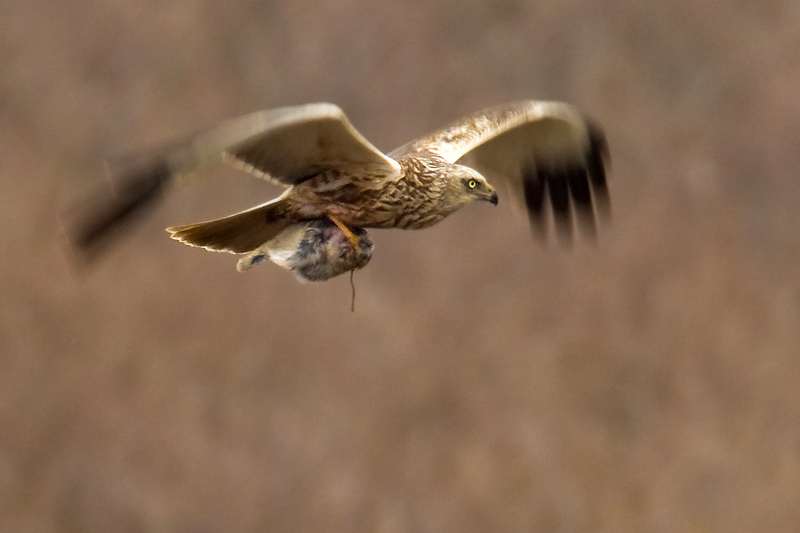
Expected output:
(338, 183)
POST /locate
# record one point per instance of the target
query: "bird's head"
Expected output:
(468, 185)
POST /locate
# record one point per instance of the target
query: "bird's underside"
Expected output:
(337, 183)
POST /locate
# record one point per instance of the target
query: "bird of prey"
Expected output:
(337, 183)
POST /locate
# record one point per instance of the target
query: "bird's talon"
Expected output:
(354, 240)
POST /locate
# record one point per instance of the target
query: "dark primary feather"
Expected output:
(138, 190)
(579, 186)
(579, 189)
(596, 159)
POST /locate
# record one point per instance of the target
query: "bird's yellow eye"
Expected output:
(472, 184)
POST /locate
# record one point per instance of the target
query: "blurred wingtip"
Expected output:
(91, 225)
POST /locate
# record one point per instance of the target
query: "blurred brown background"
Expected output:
(650, 382)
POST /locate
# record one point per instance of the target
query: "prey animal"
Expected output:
(337, 183)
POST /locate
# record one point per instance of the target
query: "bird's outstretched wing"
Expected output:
(291, 144)
(286, 145)
(544, 150)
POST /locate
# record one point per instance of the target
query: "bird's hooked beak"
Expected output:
(492, 197)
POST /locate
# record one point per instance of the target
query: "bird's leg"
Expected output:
(347, 231)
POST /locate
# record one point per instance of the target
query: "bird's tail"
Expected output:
(239, 233)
